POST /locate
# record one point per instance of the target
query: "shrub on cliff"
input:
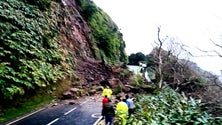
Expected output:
(30, 56)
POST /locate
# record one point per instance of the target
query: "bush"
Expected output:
(170, 108)
(41, 4)
(137, 80)
(105, 33)
(30, 55)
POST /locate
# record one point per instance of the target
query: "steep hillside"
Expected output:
(47, 42)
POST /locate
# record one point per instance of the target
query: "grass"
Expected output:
(33, 103)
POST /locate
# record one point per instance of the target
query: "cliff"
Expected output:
(47, 42)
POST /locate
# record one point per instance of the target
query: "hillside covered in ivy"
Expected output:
(42, 40)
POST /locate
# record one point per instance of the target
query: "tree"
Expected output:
(220, 47)
(134, 59)
(167, 63)
(217, 52)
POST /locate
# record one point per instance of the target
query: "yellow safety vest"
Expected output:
(122, 112)
(107, 92)
(122, 108)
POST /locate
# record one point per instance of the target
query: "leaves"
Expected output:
(168, 107)
(107, 37)
(29, 53)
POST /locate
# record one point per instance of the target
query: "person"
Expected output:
(107, 91)
(105, 100)
(130, 104)
(122, 111)
(108, 112)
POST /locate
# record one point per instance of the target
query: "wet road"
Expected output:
(85, 113)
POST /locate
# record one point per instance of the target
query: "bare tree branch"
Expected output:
(215, 80)
(218, 53)
(207, 53)
(216, 43)
(160, 59)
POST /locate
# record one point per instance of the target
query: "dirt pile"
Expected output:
(90, 75)
(92, 72)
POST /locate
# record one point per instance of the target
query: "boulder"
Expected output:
(99, 88)
(72, 102)
(132, 89)
(117, 86)
(92, 92)
(74, 90)
(66, 95)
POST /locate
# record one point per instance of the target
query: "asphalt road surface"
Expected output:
(84, 113)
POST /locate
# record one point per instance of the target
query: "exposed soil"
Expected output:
(92, 72)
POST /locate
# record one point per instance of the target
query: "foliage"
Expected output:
(167, 108)
(36, 102)
(135, 58)
(151, 73)
(137, 80)
(176, 73)
(125, 73)
(30, 55)
(41, 4)
(33, 101)
(105, 33)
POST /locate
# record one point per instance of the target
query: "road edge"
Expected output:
(25, 116)
(98, 120)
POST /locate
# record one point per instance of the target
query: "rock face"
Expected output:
(75, 36)
(75, 31)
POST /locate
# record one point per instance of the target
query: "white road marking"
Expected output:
(98, 120)
(70, 111)
(96, 115)
(53, 121)
(25, 116)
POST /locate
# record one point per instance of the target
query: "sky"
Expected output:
(195, 23)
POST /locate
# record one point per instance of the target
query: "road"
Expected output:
(86, 112)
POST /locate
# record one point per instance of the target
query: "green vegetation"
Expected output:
(28, 105)
(170, 108)
(137, 80)
(41, 4)
(34, 101)
(135, 58)
(106, 34)
(30, 56)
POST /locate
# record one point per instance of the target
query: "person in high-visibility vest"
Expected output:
(107, 91)
(122, 111)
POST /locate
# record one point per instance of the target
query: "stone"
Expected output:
(67, 95)
(92, 92)
(74, 90)
(72, 102)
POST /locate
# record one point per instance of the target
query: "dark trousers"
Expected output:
(131, 111)
(109, 119)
